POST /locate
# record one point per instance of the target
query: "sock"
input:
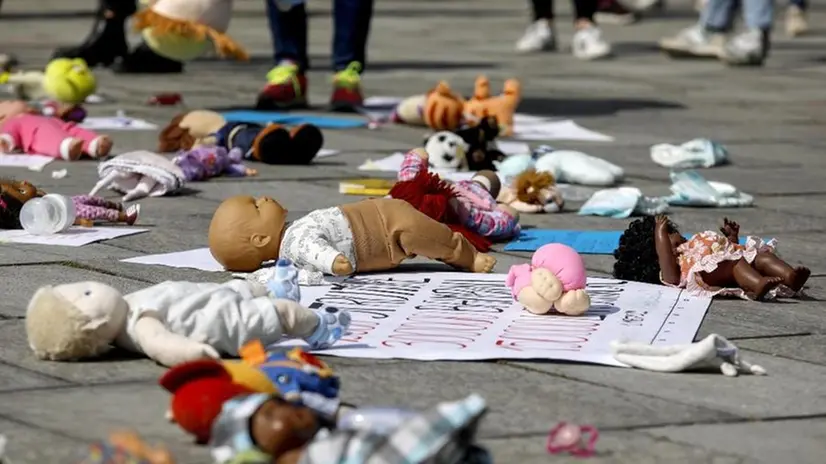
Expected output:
(284, 281)
(332, 325)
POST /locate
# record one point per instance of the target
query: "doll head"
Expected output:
(446, 150)
(262, 427)
(489, 180)
(12, 196)
(10, 108)
(564, 262)
(246, 231)
(69, 80)
(636, 255)
(74, 321)
(532, 186)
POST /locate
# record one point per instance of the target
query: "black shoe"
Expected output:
(107, 40)
(143, 60)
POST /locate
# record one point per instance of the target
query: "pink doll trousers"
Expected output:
(96, 208)
(43, 135)
(519, 277)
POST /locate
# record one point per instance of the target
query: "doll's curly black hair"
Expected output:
(636, 254)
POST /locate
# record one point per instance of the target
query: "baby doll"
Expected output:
(273, 143)
(89, 210)
(709, 263)
(190, 130)
(171, 322)
(475, 202)
(369, 235)
(21, 129)
(555, 279)
(205, 162)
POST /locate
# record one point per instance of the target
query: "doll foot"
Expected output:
(483, 263)
(799, 277)
(132, 214)
(100, 147)
(272, 145)
(71, 149)
(5, 146)
(546, 284)
(573, 303)
(332, 325)
(766, 285)
(307, 141)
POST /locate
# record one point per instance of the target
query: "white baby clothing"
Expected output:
(224, 316)
(313, 242)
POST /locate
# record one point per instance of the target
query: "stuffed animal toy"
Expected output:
(183, 30)
(190, 130)
(532, 192)
(139, 174)
(22, 130)
(370, 235)
(204, 163)
(439, 109)
(65, 80)
(199, 389)
(482, 152)
(446, 151)
(469, 203)
(555, 279)
(171, 322)
(501, 107)
(126, 447)
(574, 167)
(273, 143)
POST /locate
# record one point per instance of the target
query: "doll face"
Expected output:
(278, 427)
(265, 219)
(21, 191)
(12, 108)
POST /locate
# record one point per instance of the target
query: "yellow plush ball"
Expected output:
(69, 80)
(176, 47)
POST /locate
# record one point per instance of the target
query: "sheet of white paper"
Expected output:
(116, 123)
(463, 316)
(74, 237)
(381, 102)
(32, 162)
(199, 258)
(325, 152)
(510, 147)
(557, 130)
(391, 163)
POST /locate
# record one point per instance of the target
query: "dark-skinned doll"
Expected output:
(709, 263)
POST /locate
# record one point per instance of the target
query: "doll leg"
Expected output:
(769, 264)
(94, 145)
(751, 281)
(96, 213)
(98, 201)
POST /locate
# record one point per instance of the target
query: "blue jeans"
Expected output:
(718, 15)
(351, 23)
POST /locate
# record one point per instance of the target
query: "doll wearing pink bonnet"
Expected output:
(22, 129)
(555, 279)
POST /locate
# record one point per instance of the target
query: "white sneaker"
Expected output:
(796, 23)
(747, 49)
(694, 42)
(538, 36)
(588, 44)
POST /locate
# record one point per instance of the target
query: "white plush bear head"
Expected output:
(446, 151)
(74, 321)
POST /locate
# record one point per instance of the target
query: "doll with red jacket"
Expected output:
(710, 263)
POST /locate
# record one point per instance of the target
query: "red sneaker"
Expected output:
(286, 88)
(347, 96)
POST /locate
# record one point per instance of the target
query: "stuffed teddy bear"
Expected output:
(190, 130)
(171, 322)
(446, 152)
(370, 235)
(21, 129)
(555, 279)
(502, 107)
(272, 143)
(204, 163)
(532, 192)
(65, 80)
(439, 109)
(183, 30)
(482, 152)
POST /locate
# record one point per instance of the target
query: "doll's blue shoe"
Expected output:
(284, 281)
(332, 325)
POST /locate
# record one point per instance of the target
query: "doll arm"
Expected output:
(236, 170)
(519, 277)
(308, 247)
(665, 253)
(168, 348)
(414, 161)
(496, 223)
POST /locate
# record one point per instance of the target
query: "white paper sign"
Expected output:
(464, 316)
(116, 123)
(325, 152)
(199, 258)
(74, 237)
(32, 162)
(535, 128)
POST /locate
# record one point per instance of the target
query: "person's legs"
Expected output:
(751, 47)
(107, 39)
(539, 34)
(286, 83)
(614, 12)
(705, 39)
(796, 23)
(352, 28)
(587, 43)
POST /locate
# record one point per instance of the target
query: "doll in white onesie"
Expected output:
(171, 322)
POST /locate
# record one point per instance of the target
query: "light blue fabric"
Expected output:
(292, 119)
(284, 282)
(586, 242)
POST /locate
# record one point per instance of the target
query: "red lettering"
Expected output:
(518, 346)
(357, 331)
(394, 343)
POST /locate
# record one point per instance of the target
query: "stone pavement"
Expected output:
(772, 120)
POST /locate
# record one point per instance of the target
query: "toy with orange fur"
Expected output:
(502, 107)
(439, 109)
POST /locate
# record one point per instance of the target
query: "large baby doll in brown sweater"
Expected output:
(370, 235)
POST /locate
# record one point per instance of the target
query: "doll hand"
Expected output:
(546, 284)
(661, 222)
(251, 172)
(342, 266)
(573, 303)
(730, 228)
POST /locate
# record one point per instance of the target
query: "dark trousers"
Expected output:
(583, 9)
(351, 23)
